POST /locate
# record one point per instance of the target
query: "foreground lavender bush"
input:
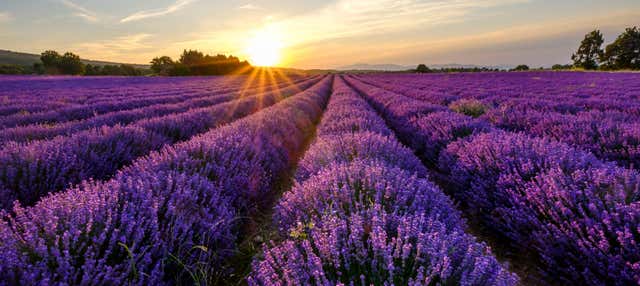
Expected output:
(354, 217)
(159, 222)
(580, 215)
(114, 232)
(348, 187)
(30, 172)
(379, 248)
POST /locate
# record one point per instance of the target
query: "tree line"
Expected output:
(621, 54)
(422, 68)
(194, 62)
(53, 63)
(190, 63)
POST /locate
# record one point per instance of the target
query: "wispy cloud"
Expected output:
(541, 43)
(80, 11)
(127, 48)
(250, 6)
(157, 12)
(349, 18)
(5, 17)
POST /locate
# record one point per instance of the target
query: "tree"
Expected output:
(70, 63)
(162, 65)
(194, 62)
(192, 58)
(624, 52)
(521, 68)
(422, 68)
(92, 70)
(561, 67)
(50, 60)
(38, 68)
(129, 70)
(590, 51)
(111, 70)
(180, 70)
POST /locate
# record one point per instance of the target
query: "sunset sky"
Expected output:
(316, 34)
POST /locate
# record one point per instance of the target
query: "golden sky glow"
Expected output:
(316, 33)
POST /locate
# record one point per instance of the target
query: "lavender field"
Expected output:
(494, 178)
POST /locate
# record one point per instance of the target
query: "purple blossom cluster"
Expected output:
(185, 103)
(92, 104)
(169, 218)
(26, 95)
(596, 112)
(31, 170)
(559, 91)
(425, 127)
(610, 135)
(578, 215)
(363, 212)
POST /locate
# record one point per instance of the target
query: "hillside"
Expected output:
(26, 59)
(394, 67)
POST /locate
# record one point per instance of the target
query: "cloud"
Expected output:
(342, 20)
(542, 43)
(80, 11)
(5, 17)
(129, 48)
(350, 18)
(157, 12)
(249, 6)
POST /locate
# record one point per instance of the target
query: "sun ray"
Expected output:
(287, 79)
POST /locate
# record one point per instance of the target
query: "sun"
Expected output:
(264, 49)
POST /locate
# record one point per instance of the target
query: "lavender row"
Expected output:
(70, 96)
(60, 92)
(26, 99)
(561, 91)
(363, 212)
(8, 108)
(204, 84)
(76, 91)
(611, 134)
(125, 117)
(577, 215)
(28, 172)
(168, 219)
(86, 111)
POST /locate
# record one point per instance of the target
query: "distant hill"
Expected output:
(394, 67)
(26, 59)
(375, 67)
